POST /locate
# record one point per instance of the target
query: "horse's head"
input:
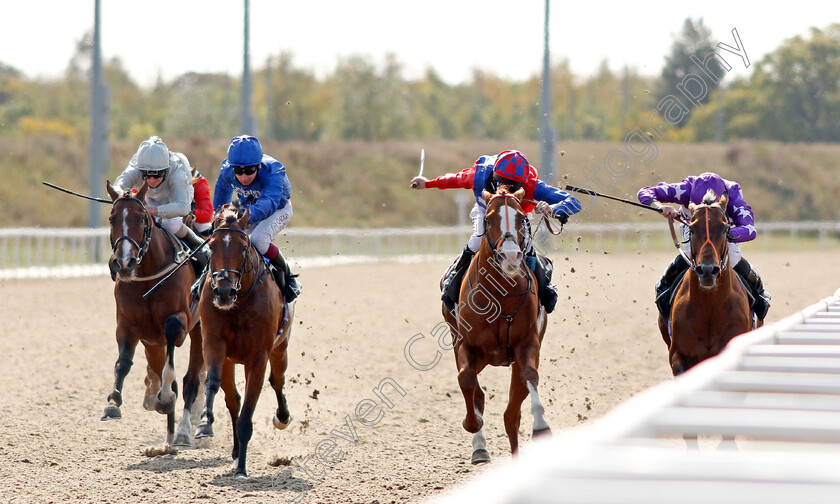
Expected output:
(504, 228)
(131, 231)
(709, 245)
(230, 255)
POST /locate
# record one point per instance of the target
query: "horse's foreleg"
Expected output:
(173, 328)
(191, 387)
(126, 345)
(529, 357)
(468, 381)
(155, 359)
(513, 413)
(233, 402)
(254, 376)
(479, 442)
(279, 361)
(214, 357)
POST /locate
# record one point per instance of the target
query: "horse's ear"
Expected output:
(520, 193)
(141, 194)
(113, 193)
(246, 216)
(724, 199)
(486, 195)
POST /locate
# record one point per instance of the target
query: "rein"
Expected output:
(722, 258)
(225, 274)
(148, 228)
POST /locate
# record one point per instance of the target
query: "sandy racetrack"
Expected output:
(353, 323)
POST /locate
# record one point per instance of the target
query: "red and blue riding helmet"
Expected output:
(511, 165)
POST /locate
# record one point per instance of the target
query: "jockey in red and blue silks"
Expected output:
(509, 168)
(692, 189)
(261, 184)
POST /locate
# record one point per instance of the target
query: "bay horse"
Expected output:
(142, 253)
(710, 306)
(499, 321)
(245, 320)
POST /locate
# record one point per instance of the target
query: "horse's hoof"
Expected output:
(203, 430)
(281, 425)
(542, 433)
(480, 456)
(149, 402)
(111, 413)
(182, 440)
(164, 408)
(240, 475)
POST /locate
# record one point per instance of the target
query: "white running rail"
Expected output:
(41, 252)
(775, 390)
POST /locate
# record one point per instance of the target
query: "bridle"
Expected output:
(508, 235)
(248, 266)
(721, 258)
(147, 231)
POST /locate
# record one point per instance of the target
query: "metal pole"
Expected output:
(547, 133)
(268, 130)
(98, 123)
(246, 120)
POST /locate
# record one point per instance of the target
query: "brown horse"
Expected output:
(499, 321)
(711, 305)
(245, 320)
(142, 254)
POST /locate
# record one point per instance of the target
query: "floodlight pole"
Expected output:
(546, 131)
(246, 119)
(99, 146)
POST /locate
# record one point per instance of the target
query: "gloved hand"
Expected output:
(542, 207)
(563, 218)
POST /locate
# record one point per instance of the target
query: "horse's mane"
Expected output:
(710, 197)
(230, 214)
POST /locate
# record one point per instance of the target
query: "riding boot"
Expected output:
(761, 298)
(452, 285)
(666, 283)
(547, 291)
(202, 257)
(285, 279)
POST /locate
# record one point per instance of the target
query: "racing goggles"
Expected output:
(245, 170)
(153, 174)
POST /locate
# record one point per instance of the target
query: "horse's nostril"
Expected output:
(716, 271)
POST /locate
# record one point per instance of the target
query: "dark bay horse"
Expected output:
(142, 254)
(499, 321)
(711, 306)
(245, 320)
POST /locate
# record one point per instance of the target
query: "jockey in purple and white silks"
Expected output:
(261, 184)
(742, 229)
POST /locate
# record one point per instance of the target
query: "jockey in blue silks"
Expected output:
(510, 168)
(742, 229)
(261, 184)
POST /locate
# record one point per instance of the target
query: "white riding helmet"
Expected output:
(152, 155)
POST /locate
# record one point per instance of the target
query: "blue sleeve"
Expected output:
(273, 196)
(562, 202)
(224, 189)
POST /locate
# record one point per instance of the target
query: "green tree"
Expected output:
(694, 40)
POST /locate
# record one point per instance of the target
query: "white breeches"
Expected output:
(267, 229)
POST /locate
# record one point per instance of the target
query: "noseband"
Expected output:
(722, 259)
(247, 267)
(147, 232)
(507, 235)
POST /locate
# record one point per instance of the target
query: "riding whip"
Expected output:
(68, 191)
(164, 279)
(422, 159)
(593, 193)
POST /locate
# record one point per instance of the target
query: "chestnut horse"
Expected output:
(245, 320)
(142, 254)
(499, 321)
(710, 306)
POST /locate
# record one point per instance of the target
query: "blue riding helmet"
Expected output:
(244, 150)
